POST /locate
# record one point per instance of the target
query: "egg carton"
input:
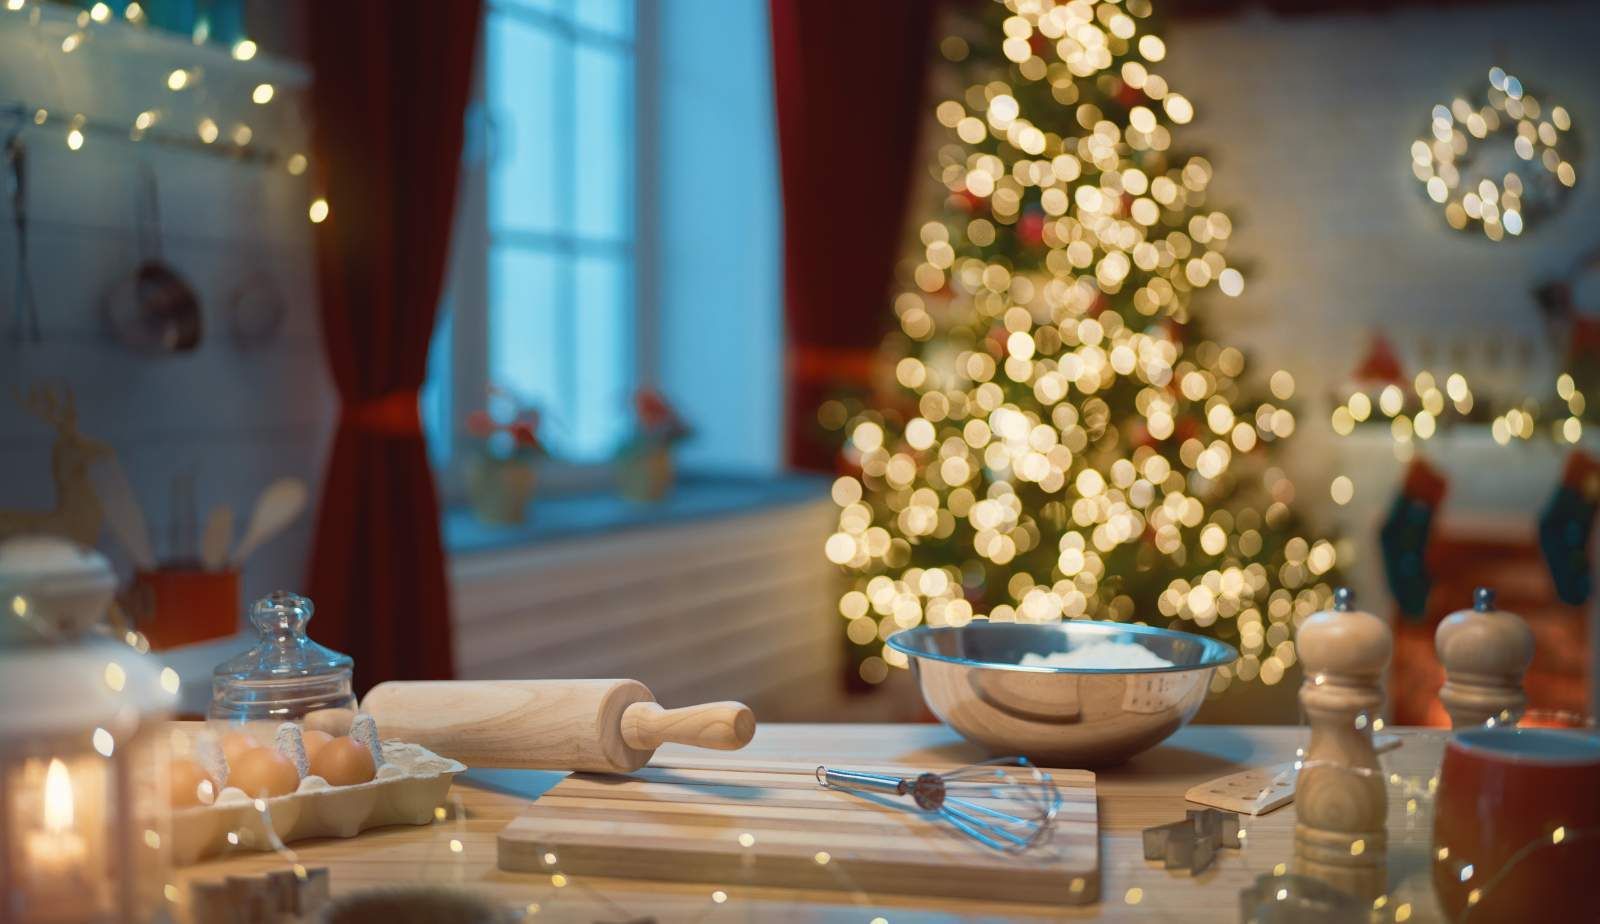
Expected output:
(409, 786)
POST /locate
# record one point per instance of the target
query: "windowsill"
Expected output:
(699, 496)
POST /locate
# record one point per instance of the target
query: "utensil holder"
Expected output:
(179, 605)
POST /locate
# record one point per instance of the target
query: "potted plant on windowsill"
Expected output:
(644, 466)
(502, 466)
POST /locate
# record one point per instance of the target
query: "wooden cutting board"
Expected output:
(727, 821)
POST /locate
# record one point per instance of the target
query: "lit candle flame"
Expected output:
(57, 798)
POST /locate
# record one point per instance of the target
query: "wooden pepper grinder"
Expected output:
(1341, 801)
(1485, 652)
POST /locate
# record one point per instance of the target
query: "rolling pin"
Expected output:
(605, 726)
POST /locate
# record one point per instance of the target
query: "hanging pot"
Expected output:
(155, 308)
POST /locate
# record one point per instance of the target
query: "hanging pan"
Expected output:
(154, 308)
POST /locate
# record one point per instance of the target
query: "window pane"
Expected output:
(526, 78)
(555, 7)
(525, 332)
(605, 143)
(612, 17)
(602, 411)
(559, 85)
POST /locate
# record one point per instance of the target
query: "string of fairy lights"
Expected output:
(445, 860)
(1068, 446)
(1425, 410)
(1418, 413)
(236, 140)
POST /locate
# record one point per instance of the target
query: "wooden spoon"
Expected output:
(275, 509)
(123, 514)
(218, 535)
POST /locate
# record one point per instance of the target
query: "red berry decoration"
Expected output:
(524, 434)
(1139, 434)
(1030, 230)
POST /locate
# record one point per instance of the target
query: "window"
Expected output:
(618, 224)
(541, 297)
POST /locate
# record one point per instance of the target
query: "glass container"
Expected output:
(286, 677)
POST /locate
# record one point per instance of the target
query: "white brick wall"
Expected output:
(1309, 121)
(237, 418)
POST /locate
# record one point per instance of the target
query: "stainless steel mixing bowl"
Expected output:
(973, 679)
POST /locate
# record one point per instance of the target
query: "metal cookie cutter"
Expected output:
(1192, 843)
(282, 895)
(1225, 825)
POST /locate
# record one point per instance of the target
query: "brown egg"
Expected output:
(235, 743)
(314, 741)
(190, 784)
(344, 762)
(263, 772)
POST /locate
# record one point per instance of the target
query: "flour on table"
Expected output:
(1101, 655)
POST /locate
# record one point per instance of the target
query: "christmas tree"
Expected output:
(1060, 439)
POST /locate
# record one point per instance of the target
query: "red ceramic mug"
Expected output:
(1516, 830)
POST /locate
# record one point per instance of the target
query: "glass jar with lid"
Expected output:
(286, 677)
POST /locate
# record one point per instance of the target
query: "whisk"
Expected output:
(1002, 783)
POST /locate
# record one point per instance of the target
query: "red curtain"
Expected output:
(849, 82)
(391, 87)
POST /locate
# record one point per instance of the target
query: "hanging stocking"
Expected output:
(1405, 533)
(1567, 523)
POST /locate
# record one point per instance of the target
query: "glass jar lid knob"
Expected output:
(281, 613)
(282, 648)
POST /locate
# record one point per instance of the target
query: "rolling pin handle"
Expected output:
(726, 726)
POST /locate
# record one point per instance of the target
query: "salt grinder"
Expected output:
(1340, 797)
(1485, 651)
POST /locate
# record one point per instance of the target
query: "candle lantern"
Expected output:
(83, 795)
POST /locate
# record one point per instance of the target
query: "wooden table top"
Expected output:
(460, 851)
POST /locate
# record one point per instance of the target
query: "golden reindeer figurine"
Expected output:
(77, 513)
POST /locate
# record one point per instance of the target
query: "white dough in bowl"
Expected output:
(1099, 655)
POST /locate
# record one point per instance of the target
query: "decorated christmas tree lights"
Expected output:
(1060, 439)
